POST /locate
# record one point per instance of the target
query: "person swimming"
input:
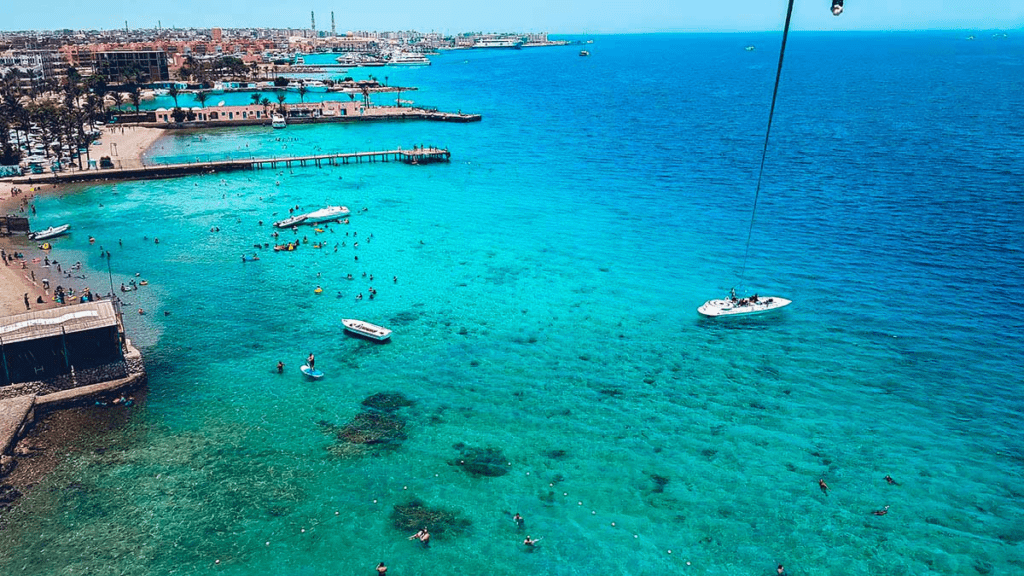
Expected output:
(822, 485)
(423, 536)
(882, 512)
(890, 480)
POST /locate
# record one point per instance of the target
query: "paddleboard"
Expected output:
(314, 374)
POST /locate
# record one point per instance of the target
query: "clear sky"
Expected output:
(556, 16)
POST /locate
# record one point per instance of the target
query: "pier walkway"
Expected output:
(414, 156)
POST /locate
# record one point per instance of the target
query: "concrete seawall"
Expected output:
(17, 413)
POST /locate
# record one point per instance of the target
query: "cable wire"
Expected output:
(764, 151)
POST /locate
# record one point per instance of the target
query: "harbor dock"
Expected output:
(414, 156)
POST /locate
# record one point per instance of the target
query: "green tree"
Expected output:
(173, 93)
(302, 93)
(280, 101)
(136, 96)
(256, 98)
(201, 97)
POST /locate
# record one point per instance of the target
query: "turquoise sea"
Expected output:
(545, 308)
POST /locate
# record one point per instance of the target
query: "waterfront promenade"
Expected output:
(413, 156)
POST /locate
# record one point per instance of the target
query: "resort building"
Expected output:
(152, 64)
(247, 114)
(32, 65)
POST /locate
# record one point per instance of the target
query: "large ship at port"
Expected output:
(499, 42)
(408, 59)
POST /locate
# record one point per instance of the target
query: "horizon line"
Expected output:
(604, 33)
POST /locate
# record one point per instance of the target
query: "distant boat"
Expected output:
(584, 53)
(742, 307)
(326, 214)
(314, 374)
(750, 48)
(277, 121)
(289, 222)
(51, 232)
(366, 329)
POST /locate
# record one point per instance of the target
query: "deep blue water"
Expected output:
(545, 306)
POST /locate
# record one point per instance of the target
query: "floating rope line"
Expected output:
(767, 133)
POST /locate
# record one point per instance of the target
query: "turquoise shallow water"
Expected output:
(545, 306)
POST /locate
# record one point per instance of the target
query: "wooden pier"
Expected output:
(414, 156)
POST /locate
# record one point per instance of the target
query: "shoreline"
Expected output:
(22, 277)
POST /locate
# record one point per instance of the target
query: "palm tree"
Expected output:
(280, 101)
(256, 98)
(201, 97)
(266, 104)
(118, 99)
(302, 93)
(173, 93)
(136, 96)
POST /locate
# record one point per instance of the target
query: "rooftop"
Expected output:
(51, 322)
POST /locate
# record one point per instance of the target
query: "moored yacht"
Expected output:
(326, 214)
(289, 222)
(277, 121)
(499, 42)
(408, 59)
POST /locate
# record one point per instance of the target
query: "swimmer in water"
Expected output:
(781, 570)
(882, 512)
(423, 536)
(530, 541)
(520, 522)
(823, 486)
(890, 480)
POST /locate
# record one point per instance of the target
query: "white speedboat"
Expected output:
(742, 306)
(289, 222)
(277, 121)
(366, 329)
(327, 214)
(51, 232)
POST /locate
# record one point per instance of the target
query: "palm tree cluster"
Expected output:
(56, 115)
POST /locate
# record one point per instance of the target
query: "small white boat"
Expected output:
(742, 306)
(51, 232)
(289, 222)
(326, 214)
(366, 329)
(277, 121)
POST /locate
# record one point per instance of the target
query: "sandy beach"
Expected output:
(23, 277)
